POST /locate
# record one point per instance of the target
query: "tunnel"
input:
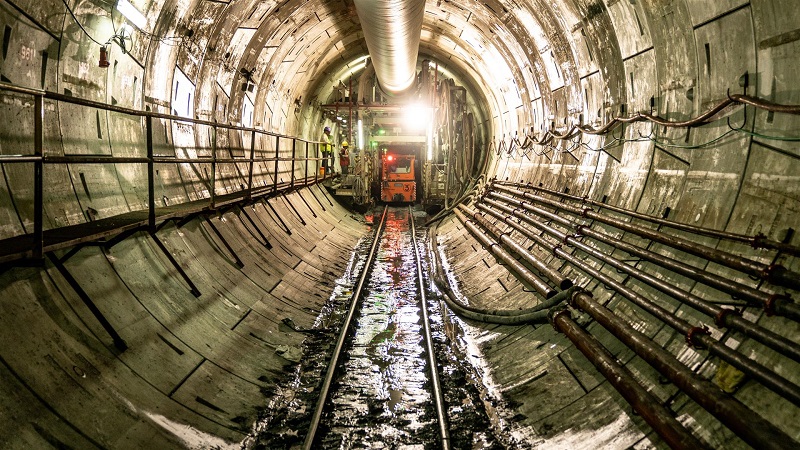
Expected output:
(611, 190)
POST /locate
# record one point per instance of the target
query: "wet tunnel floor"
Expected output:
(381, 394)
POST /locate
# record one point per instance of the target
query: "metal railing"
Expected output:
(40, 158)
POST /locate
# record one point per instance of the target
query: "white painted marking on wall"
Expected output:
(772, 177)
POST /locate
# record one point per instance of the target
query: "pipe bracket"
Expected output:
(555, 313)
(769, 305)
(693, 333)
(719, 318)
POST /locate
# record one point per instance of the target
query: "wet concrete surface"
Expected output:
(381, 395)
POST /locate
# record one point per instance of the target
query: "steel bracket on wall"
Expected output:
(323, 194)
(286, 199)
(280, 219)
(224, 242)
(119, 343)
(258, 230)
(307, 205)
(192, 288)
(317, 199)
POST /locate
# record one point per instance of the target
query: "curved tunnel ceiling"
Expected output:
(290, 47)
(530, 66)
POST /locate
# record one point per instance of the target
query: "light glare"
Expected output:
(132, 14)
(417, 117)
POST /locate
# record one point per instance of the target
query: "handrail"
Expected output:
(40, 160)
(136, 112)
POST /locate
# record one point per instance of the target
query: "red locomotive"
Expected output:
(398, 183)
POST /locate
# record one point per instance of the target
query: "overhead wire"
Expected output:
(120, 38)
(610, 128)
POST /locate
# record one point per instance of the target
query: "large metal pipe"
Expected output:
(743, 421)
(774, 273)
(392, 29)
(768, 378)
(776, 304)
(555, 276)
(757, 241)
(658, 416)
(539, 285)
(722, 317)
(740, 419)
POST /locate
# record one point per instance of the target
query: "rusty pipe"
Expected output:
(555, 276)
(722, 317)
(757, 241)
(778, 304)
(772, 303)
(743, 421)
(768, 378)
(645, 404)
(526, 275)
(774, 273)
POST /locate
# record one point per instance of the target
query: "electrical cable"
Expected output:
(78, 22)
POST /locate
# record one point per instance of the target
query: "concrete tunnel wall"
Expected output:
(195, 368)
(206, 364)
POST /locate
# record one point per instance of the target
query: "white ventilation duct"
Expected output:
(392, 29)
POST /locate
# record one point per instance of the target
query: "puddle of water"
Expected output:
(383, 396)
(383, 400)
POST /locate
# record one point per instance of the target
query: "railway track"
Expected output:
(383, 367)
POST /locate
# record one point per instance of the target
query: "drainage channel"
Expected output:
(377, 389)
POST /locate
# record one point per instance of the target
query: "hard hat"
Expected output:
(327, 129)
(345, 144)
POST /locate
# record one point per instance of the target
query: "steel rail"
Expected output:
(355, 300)
(444, 430)
(757, 241)
(774, 273)
(694, 335)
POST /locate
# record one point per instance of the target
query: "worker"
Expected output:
(326, 148)
(344, 158)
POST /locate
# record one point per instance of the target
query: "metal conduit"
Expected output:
(765, 376)
(777, 304)
(775, 273)
(555, 276)
(526, 275)
(722, 317)
(392, 29)
(744, 422)
(757, 241)
(658, 416)
(536, 314)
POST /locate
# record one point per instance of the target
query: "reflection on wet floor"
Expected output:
(382, 398)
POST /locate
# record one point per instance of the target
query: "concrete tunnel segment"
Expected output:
(197, 368)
